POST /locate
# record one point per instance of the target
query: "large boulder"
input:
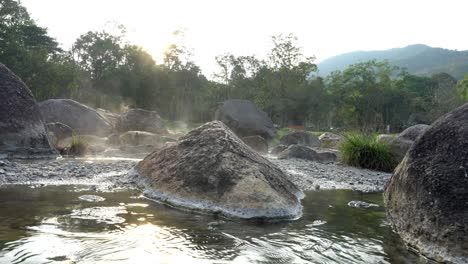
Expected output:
(58, 131)
(300, 138)
(398, 145)
(257, 143)
(140, 120)
(427, 196)
(22, 130)
(81, 118)
(304, 152)
(413, 132)
(211, 169)
(137, 138)
(330, 140)
(110, 117)
(245, 119)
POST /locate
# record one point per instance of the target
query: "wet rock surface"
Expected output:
(361, 204)
(427, 196)
(22, 130)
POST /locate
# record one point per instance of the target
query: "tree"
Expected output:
(32, 54)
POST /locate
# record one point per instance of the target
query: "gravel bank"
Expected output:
(110, 173)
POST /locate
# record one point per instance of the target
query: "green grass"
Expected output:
(279, 133)
(361, 150)
(78, 146)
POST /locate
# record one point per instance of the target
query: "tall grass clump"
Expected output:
(361, 150)
(78, 146)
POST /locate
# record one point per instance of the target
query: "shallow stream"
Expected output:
(58, 224)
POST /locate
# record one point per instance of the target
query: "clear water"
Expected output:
(52, 225)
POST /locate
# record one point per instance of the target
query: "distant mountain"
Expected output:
(417, 59)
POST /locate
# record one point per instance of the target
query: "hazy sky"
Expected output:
(243, 27)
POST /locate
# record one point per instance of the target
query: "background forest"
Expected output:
(104, 71)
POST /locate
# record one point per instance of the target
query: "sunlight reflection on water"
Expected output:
(52, 225)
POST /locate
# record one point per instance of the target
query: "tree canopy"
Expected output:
(103, 70)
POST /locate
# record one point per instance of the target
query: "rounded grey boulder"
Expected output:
(140, 120)
(398, 145)
(330, 140)
(211, 169)
(82, 119)
(427, 196)
(245, 119)
(300, 138)
(59, 131)
(22, 130)
(413, 132)
(306, 153)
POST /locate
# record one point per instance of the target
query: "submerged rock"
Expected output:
(211, 169)
(22, 130)
(361, 204)
(91, 198)
(257, 143)
(140, 120)
(427, 196)
(300, 138)
(245, 119)
(82, 119)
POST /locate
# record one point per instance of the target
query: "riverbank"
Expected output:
(107, 173)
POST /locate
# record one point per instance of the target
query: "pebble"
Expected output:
(307, 175)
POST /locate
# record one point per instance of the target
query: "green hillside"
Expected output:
(417, 59)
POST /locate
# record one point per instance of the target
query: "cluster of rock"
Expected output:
(212, 169)
(134, 131)
(305, 145)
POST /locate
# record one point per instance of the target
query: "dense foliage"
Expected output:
(103, 70)
(365, 151)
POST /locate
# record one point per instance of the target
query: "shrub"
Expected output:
(364, 151)
(78, 146)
